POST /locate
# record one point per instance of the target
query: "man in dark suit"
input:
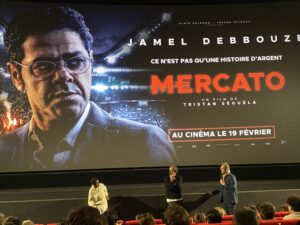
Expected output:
(50, 59)
(228, 189)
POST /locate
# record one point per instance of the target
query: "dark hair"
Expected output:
(84, 215)
(12, 220)
(40, 21)
(266, 210)
(176, 215)
(251, 206)
(284, 207)
(111, 216)
(93, 180)
(245, 216)
(199, 217)
(213, 216)
(294, 202)
(146, 219)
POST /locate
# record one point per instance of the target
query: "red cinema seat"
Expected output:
(289, 222)
(213, 223)
(227, 217)
(227, 222)
(158, 221)
(278, 218)
(282, 213)
(136, 222)
(279, 222)
(131, 222)
(270, 222)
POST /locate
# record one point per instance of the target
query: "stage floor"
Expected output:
(47, 205)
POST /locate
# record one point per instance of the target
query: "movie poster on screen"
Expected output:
(221, 80)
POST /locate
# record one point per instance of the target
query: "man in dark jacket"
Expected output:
(228, 189)
(172, 185)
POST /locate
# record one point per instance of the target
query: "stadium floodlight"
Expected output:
(111, 59)
(166, 17)
(100, 69)
(114, 87)
(143, 35)
(100, 87)
(1, 38)
(125, 49)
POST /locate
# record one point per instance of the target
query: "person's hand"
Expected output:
(222, 182)
(172, 177)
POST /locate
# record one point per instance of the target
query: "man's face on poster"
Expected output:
(64, 93)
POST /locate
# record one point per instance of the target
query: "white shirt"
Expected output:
(98, 197)
(293, 215)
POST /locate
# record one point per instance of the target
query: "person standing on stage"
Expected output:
(98, 195)
(172, 185)
(228, 189)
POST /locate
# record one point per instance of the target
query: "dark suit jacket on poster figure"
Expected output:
(228, 193)
(104, 142)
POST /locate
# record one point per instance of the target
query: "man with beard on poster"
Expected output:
(50, 59)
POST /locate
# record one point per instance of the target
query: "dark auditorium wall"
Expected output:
(139, 175)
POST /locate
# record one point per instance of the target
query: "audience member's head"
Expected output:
(138, 215)
(2, 217)
(254, 207)
(27, 222)
(199, 217)
(62, 221)
(146, 219)
(245, 216)
(221, 210)
(294, 202)
(176, 215)
(85, 215)
(251, 206)
(266, 210)
(213, 216)
(111, 217)
(12, 220)
(284, 207)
